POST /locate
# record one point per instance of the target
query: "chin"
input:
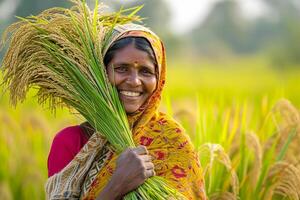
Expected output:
(130, 110)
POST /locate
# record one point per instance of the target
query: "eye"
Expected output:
(121, 68)
(147, 71)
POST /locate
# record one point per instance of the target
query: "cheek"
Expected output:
(151, 85)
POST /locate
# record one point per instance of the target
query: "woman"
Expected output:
(85, 166)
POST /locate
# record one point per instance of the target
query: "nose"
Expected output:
(134, 79)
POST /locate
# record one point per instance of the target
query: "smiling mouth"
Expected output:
(130, 93)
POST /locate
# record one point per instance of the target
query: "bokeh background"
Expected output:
(232, 82)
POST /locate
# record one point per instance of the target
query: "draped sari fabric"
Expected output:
(174, 156)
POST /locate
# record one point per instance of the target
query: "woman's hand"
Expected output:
(133, 168)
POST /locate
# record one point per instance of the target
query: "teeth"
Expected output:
(129, 93)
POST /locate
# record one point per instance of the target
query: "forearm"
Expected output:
(112, 191)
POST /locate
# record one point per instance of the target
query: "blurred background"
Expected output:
(229, 64)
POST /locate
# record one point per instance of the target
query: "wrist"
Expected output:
(112, 191)
(115, 189)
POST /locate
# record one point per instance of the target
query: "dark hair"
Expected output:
(139, 42)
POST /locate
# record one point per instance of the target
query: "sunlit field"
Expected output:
(241, 115)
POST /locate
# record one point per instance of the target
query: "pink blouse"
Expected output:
(66, 144)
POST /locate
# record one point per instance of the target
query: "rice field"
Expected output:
(242, 116)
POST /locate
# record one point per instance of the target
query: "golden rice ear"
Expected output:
(252, 142)
(285, 114)
(223, 196)
(287, 138)
(216, 152)
(284, 179)
(290, 139)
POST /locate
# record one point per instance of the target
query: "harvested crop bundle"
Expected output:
(60, 51)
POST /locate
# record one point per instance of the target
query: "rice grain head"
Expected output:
(216, 152)
(285, 114)
(283, 179)
(254, 147)
(287, 120)
(253, 144)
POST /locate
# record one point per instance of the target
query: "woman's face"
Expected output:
(133, 73)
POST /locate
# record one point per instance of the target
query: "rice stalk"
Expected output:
(215, 152)
(254, 153)
(253, 144)
(283, 143)
(287, 137)
(244, 157)
(60, 52)
(201, 119)
(285, 114)
(223, 196)
(226, 121)
(287, 119)
(234, 126)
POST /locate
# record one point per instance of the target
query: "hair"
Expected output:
(139, 43)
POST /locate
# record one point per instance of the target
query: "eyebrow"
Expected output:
(122, 63)
(129, 64)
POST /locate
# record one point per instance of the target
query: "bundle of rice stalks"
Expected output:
(215, 152)
(60, 52)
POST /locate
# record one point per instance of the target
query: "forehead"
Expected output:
(131, 55)
(156, 44)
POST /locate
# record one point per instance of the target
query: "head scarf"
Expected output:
(146, 111)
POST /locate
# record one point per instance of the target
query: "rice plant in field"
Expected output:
(25, 138)
(247, 151)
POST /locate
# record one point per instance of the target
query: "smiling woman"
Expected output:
(135, 64)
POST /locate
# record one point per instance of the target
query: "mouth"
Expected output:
(130, 93)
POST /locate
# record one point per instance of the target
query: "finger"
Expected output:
(146, 158)
(150, 173)
(149, 166)
(141, 150)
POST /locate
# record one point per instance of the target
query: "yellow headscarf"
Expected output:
(173, 152)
